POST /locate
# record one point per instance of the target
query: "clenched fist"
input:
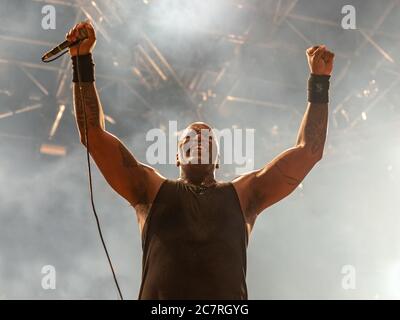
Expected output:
(320, 60)
(86, 46)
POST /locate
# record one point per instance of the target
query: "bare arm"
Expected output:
(94, 110)
(285, 172)
(136, 182)
(262, 188)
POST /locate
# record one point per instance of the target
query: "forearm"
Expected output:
(312, 133)
(85, 96)
(313, 128)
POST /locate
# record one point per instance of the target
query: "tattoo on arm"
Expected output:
(313, 129)
(92, 103)
(128, 160)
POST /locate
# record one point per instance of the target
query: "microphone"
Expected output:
(83, 34)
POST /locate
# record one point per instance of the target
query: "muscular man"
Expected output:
(195, 229)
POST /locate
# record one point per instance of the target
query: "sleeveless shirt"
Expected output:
(194, 244)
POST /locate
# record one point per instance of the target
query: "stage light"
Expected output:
(363, 115)
(53, 150)
(109, 119)
(57, 120)
(274, 130)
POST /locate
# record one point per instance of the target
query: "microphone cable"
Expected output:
(90, 177)
(89, 167)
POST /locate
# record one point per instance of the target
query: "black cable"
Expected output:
(90, 177)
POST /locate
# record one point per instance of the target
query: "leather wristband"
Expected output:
(318, 88)
(86, 68)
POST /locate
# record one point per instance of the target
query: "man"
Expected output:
(195, 229)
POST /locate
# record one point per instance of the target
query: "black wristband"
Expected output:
(318, 88)
(86, 68)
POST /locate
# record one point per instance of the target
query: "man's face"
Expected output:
(197, 145)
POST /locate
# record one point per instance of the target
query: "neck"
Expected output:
(204, 179)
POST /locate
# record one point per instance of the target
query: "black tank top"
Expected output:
(194, 244)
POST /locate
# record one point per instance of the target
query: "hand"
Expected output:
(86, 46)
(320, 60)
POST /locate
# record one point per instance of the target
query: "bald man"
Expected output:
(195, 229)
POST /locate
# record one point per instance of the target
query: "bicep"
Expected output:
(127, 176)
(278, 178)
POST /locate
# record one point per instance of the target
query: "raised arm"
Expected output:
(136, 182)
(262, 188)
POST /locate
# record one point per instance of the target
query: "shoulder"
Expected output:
(243, 185)
(244, 182)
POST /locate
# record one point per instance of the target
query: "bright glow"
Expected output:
(53, 150)
(180, 16)
(57, 120)
(6, 114)
(109, 119)
(363, 115)
(274, 130)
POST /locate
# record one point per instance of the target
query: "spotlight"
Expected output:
(363, 115)
(53, 150)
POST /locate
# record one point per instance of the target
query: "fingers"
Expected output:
(76, 32)
(310, 51)
(328, 57)
(320, 60)
(71, 35)
(319, 53)
(86, 25)
(90, 30)
(316, 51)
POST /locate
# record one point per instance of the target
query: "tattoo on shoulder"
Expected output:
(127, 159)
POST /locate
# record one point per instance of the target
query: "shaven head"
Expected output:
(198, 148)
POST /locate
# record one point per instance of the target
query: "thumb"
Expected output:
(90, 30)
(311, 51)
